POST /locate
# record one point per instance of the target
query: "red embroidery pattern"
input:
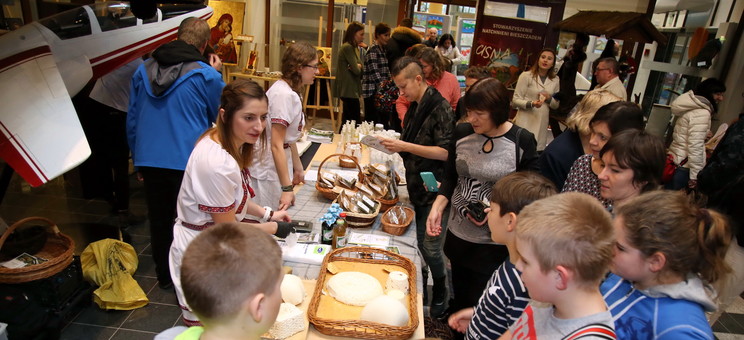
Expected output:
(279, 121)
(197, 227)
(208, 209)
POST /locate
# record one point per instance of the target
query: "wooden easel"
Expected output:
(332, 105)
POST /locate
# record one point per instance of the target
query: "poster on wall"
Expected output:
(507, 46)
(226, 23)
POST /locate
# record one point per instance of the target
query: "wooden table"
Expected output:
(310, 206)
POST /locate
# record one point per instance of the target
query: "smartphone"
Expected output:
(477, 210)
(429, 181)
(303, 226)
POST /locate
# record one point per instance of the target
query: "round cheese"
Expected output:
(293, 291)
(397, 281)
(353, 288)
(386, 310)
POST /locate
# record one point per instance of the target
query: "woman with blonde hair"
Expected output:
(533, 96)
(215, 185)
(563, 151)
(667, 253)
(274, 177)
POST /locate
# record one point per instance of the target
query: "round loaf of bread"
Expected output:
(353, 288)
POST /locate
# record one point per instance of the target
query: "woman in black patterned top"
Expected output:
(375, 71)
(485, 149)
(609, 120)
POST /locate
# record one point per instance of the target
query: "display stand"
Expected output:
(331, 106)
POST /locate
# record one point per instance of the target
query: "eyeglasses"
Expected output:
(311, 66)
(602, 69)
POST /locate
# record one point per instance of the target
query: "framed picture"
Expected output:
(226, 23)
(324, 61)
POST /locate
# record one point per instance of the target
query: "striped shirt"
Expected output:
(501, 304)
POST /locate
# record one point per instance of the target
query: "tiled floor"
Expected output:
(62, 202)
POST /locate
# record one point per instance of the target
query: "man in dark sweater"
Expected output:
(427, 132)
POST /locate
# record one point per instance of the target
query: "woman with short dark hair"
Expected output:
(376, 70)
(485, 149)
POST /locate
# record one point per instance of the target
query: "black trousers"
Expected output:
(106, 172)
(472, 267)
(161, 193)
(351, 109)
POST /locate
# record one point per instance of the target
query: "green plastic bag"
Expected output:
(110, 264)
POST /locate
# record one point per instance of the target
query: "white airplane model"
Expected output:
(44, 63)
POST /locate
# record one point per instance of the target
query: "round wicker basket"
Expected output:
(57, 251)
(396, 229)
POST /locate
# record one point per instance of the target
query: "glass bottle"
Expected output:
(339, 232)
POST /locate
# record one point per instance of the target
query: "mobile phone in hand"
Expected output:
(429, 181)
(477, 210)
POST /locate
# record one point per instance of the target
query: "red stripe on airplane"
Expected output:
(24, 56)
(125, 48)
(11, 153)
(116, 62)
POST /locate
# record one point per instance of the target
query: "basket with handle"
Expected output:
(328, 192)
(360, 328)
(361, 220)
(57, 251)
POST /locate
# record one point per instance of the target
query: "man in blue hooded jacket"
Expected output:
(174, 98)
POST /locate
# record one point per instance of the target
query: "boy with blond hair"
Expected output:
(565, 243)
(504, 297)
(231, 275)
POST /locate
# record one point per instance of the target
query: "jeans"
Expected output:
(679, 180)
(431, 246)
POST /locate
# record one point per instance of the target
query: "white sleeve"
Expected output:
(215, 182)
(283, 107)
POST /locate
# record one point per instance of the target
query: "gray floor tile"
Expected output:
(146, 266)
(164, 296)
(88, 332)
(92, 315)
(127, 334)
(139, 243)
(152, 318)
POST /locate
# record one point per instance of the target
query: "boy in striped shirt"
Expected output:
(505, 297)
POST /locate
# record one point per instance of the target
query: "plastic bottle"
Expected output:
(339, 232)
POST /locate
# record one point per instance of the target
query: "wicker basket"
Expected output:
(387, 204)
(57, 250)
(328, 192)
(360, 328)
(396, 229)
(359, 220)
(352, 161)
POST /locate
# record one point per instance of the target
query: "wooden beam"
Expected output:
(329, 27)
(267, 33)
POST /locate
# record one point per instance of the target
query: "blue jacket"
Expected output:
(673, 312)
(171, 105)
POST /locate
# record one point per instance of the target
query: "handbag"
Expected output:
(669, 168)
(386, 96)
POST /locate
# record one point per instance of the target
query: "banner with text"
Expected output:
(507, 46)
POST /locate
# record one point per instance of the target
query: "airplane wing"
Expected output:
(41, 135)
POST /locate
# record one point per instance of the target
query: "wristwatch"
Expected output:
(287, 188)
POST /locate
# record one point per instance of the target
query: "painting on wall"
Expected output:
(226, 23)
